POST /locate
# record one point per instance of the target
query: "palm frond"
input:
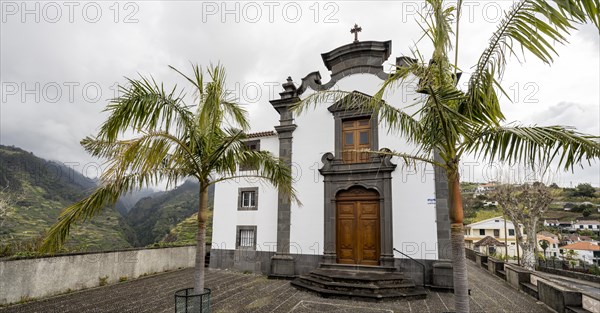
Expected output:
(216, 104)
(409, 159)
(85, 209)
(318, 98)
(405, 73)
(533, 25)
(534, 145)
(263, 165)
(580, 10)
(439, 28)
(148, 152)
(145, 105)
(443, 126)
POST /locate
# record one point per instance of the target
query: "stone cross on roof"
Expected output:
(355, 30)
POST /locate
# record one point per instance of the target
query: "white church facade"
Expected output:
(357, 208)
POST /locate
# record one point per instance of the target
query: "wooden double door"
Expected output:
(357, 227)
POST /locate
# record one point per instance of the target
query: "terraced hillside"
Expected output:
(154, 217)
(33, 193)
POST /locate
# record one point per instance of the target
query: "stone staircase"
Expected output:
(374, 283)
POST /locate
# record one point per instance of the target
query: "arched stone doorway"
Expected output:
(358, 226)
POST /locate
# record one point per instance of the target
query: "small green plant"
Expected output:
(595, 270)
(103, 281)
(122, 279)
(25, 255)
(25, 299)
(541, 257)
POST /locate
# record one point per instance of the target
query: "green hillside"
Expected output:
(152, 218)
(185, 232)
(33, 193)
(581, 198)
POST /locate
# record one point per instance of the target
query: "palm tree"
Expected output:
(451, 122)
(544, 244)
(171, 142)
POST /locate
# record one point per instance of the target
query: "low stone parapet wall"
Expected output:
(25, 279)
(495, 266)
(481, 259)
(515, 275)
(571, 274)
(557, 297)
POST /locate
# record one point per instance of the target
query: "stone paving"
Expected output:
(237, 292)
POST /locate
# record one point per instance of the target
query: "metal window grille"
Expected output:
(246, 238)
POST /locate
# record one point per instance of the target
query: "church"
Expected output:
(365, 220)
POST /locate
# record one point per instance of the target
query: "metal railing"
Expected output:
(566, 265)
(420, 263)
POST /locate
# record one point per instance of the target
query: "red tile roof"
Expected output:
(261, 134)
(582, 245)
(489, 241)
(548, 238)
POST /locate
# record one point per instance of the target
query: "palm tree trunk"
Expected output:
(457, 241)
(201, 239)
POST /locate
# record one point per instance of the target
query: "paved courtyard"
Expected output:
(237, 292)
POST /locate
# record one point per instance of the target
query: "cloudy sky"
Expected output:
(61, 61)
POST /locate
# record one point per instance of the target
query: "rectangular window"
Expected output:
(253, 145)
(581, 226)
(482, 232)
(496, 233)
(590, 226)
(246, 237)
(511, 232)
(247, 198)
(356, 136)
(364, 138)
(349, 139)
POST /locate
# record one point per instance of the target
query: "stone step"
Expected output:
(501, 273)
(575, 309)
(530, 289)
(416, 293)
(371, 288)
(358, 277)
(356, 267)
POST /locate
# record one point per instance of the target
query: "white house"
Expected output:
(356, 207)
(552, 250)
(551, 223)
(494, 227)
(586, 225)
(586, 251)
(490, 203)
(484, 188)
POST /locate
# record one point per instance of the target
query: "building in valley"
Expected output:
(496, 228)
(585, 251)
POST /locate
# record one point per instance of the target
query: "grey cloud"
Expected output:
(173, 33)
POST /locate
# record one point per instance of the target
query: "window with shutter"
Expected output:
(356, 138)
